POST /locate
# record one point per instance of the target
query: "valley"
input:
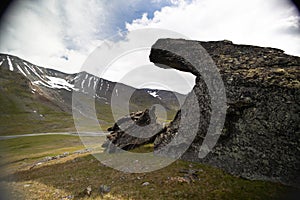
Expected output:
(69, 176)
(30, 94)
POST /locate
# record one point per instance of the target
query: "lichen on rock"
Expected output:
(261, 135)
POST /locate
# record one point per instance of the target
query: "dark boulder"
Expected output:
(261, 135)
(132, 131)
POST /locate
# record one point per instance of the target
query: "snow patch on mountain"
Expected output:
(153, 93)
(59, 83)
(32, 69)
(39, 69)
(90, 81)
(55, 83)
(82, 83)
(41, 83)
(95, 83)
(19, 68)
(11, 68)
(107, 87)
(27, 70)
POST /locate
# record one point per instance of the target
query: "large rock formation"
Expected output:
(261, 134)
(133, 131)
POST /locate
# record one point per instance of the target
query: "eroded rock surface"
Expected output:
(261, 136)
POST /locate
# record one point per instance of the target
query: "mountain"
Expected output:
(38, 99)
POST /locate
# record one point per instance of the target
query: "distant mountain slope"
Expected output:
(37, 99)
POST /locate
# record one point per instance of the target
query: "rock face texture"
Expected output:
(133, 131)
(261, 135)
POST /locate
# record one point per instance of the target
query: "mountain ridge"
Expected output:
(37, 87)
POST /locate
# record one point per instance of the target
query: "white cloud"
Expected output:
(61, 34)
(127, 61)
(273, 23)
(135, 69)
(48, 32)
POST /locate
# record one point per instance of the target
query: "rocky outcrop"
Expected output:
(132, 131)
(261, 135)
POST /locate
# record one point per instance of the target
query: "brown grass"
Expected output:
(68, 177)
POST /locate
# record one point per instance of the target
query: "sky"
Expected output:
(61, 34)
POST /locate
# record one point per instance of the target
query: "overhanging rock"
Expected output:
(261, 135)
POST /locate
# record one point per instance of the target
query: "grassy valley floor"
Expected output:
(25, 176)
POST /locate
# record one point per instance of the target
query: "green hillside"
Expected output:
(23, 111)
